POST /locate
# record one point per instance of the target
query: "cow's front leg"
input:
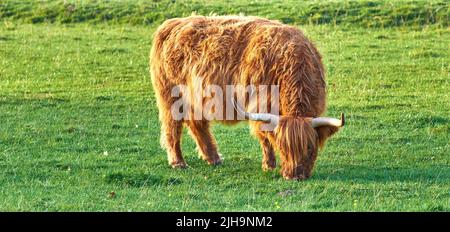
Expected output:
(269, 161)
(206, 144)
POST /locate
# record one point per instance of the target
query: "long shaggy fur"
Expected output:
(298, 145)
(232, 50)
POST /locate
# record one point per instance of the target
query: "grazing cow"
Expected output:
(198, 51)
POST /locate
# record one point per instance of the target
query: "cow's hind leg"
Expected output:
(171, 131)
(206, 143)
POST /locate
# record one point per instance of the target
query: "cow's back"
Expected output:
(225, 50)
(207, 47)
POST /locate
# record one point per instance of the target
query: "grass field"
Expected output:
(79, 128)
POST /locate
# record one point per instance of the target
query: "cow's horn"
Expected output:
(265, 117)
(324, 121)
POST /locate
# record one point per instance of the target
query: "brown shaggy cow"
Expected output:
(237, 50)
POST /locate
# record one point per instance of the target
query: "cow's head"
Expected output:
(297, 139)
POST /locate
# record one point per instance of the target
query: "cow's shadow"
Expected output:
(360, 173)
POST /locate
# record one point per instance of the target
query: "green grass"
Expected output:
(362, 13)
(78, 121)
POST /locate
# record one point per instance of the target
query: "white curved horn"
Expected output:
(265, 117)
(324, 121)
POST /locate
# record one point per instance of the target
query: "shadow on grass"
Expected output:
(236, 166)
(251, 168)
(138, 180)
(360, 173)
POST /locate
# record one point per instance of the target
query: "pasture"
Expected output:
(79, 128)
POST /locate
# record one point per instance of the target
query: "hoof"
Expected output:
(268, 167)
(179, 165)
(216, 161)
(299, 178)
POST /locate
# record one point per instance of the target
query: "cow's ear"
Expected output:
(324, 132)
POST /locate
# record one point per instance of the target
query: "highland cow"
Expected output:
(235, 50)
